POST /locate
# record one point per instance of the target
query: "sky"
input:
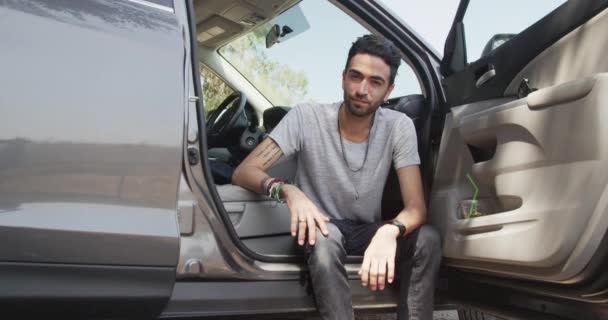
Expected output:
(432, 19)
(321, 50)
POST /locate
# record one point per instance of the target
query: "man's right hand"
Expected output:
(304, 215)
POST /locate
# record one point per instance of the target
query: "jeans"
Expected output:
(417, 262)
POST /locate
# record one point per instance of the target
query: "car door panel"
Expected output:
(261, 218)
(510, 58)
(84, 226)
(568, 60)
(89, 158)
(75, 289)
(539, 161)
(262, 224)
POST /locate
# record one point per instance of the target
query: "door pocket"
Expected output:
(488, 205)
(483, 149)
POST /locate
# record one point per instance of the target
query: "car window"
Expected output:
(489, 24)
(431, 20)
(307, 65)
(215, 90)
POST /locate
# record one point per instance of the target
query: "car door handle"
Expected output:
(487, 74)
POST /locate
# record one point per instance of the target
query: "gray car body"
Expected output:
(98, 203)
(97, 99)
(92, 109)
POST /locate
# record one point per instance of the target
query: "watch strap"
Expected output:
(401, 226)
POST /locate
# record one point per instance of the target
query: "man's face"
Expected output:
(366, 84)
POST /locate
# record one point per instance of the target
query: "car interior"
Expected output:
(512, 135)
(244, 119)
(527, 139)
(509, 114)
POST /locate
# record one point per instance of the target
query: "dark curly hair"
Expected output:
(380, 47)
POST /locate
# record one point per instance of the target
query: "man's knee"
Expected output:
(327, 251)
(428, 244)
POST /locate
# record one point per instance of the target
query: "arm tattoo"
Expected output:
(265, 149)
(271, 150)
(270, 156)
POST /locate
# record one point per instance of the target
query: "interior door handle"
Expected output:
(488, 73)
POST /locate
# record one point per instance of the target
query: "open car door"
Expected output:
(90, 160)
(520, 188)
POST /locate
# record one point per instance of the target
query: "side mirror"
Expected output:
(496, 41)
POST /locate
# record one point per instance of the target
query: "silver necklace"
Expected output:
(369, 132)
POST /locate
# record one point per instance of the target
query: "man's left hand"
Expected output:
(380, 258)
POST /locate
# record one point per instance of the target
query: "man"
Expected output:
(344, 153)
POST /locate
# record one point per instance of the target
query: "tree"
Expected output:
(215, 90)
(278, 82)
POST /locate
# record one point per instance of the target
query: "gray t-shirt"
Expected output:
(311, 132)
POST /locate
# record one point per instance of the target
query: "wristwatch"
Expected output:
(401, 226)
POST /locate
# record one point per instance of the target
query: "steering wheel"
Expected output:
(224, 118)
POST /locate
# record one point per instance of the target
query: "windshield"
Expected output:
(307, 64)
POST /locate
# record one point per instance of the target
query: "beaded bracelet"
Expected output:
(271, 188)
(277, 194)
(270, 184)
(263, 186)
(274, 188)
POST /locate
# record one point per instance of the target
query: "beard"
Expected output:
(360, 110)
